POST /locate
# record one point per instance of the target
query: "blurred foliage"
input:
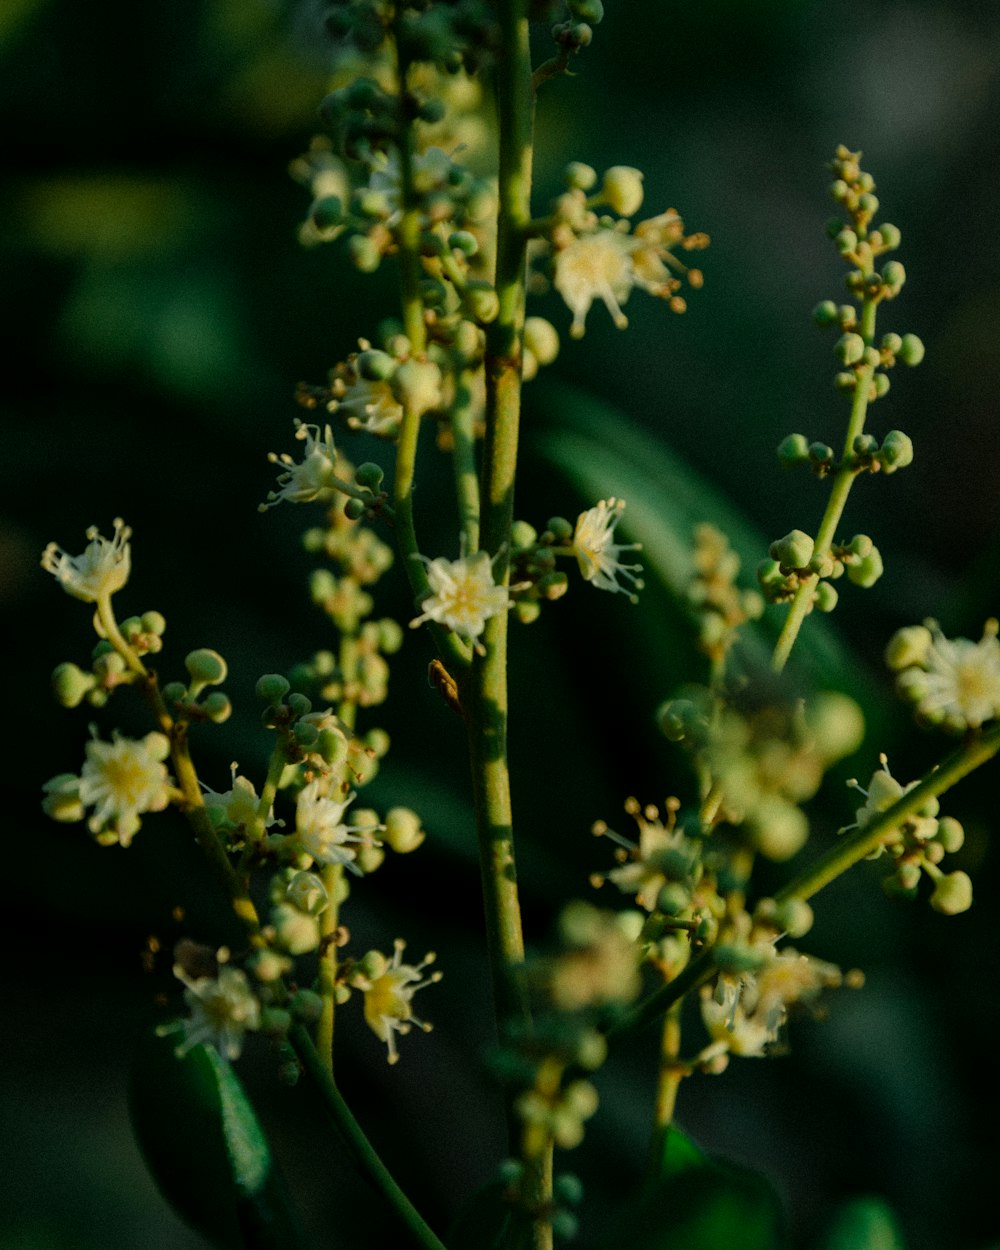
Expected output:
(157, 314)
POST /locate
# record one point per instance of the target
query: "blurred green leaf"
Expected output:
(206, 1150)
(602, 453)
(701, 1203)
(864, 1224)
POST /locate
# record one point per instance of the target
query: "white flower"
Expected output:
(238, 805)
(463, 594)
(314, 477)
(371, 405)
(102, 570)
(320, 828)
(746, 1014)
(122, 779)
(222, 1008)
(957, 681)
(389, 994)
(595, 266)
(597, 553)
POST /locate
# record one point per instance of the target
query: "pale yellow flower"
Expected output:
(102, 570)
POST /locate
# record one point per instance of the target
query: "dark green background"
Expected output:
(157, 312)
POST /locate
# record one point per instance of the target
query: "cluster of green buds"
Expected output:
(793, 561)
(761, 756)
(720, 606)
(73, 685)
(453, 36)
(575, 993)
(189, 701)
(916, 846)
(866, 454)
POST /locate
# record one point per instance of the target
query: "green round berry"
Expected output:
(825, 313)
(369, 475)
(793, 449)
(911, 350)
(217, 707)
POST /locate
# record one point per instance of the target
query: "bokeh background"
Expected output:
(157, 314)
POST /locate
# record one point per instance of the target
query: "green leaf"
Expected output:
(701, 1203)
(206, 1150)
(864, 1224)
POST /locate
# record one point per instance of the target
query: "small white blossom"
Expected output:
(102, 570)
(312, 479)
(238, 805)
(598, 554)
(223, 1008)
(957, 682)
(744, 1015)
(320, 829)
(595, 266)
(370, 405)
(388, 994)
(121, 780)
(463, 594)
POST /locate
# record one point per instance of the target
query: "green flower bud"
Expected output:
(62, 799)
(579, 176)
(871, 357)
(795, 917)
(850, 349)
(908, 646)
(174, 692)
(673, 898)
(845, 382)
(622, 190)
(823, 565)
(432, 111)
(217, 707)
(894, 275)
(676, 718)
(836, 724)
(403, 831)
(580, 35)
(822, 453)
(794, 449)
(952, 894)
(299, 704)
(375, 366)
(564, 1223)
(950, 834)
(355, 509)
(568, 1188)
(891, 343)
(897, 451)
(268, 966)
(541, 339)
(552, 586)
(70, 684)
(908, 876)
(867, 571)
(369, 475)
(523, 535)
(794, 551)
(463, 241)
(366, 255)
(527, 611)
(825, 598)
(868, 204)
(860, 545)
(207, 668)
(911, 350)
(846, 241)
(295, 931)
(825, 312)
(481, 301)
(769, 573)
(275, 1022)
(272, 688)
(306, 735)
(559, 528)
(880, 385)
(327, 213)
(890, 236)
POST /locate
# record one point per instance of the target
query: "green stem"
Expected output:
(669, 1079)
(361, 1149)
(462, 420)
(485, 693)
(840, 488)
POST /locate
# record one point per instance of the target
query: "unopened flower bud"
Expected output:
(481, 301)
(70, 684)
(952, 894)
(402, 830)
(794, 916)
(794, 550)
(908, 646)
(207, 668)
(890, 236)
(894, 275)
(897, 451)
(217, 707)
(850, 349)
(911, 350)
(62, 799)
(867, 571)
(825, 598)
(825, 313)
(541, 339)
(622, 190)
(846, 241)
(794, 449)
(272, 688)
(307, 892)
